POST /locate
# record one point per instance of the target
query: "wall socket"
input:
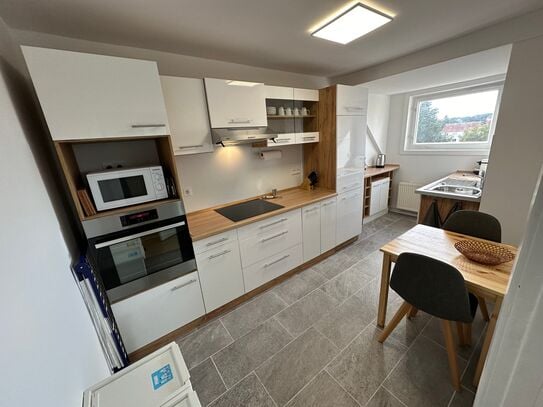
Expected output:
(187, 191)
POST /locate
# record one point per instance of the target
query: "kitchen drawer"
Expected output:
(152, 314)
(310, 137)
(270, 242)
(349, 182)
(214, 241)
(283, 139)
(269, 226)
(272, 267)
(220, 275)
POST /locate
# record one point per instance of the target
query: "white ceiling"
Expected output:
(267, 33)
(474, 66)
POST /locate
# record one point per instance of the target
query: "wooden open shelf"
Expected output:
(75, 179)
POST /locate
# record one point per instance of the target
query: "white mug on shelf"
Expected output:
(296, 111)
(281, 111)
(305, 111)
(288, 111)
(271, 110)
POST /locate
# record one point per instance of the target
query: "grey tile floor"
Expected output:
(311, 341)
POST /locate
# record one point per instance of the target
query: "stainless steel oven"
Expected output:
(140, 250)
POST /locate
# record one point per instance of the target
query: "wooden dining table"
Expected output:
(489, 282)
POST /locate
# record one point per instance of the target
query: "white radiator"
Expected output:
(408, 200)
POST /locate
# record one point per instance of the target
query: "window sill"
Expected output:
(467, 152)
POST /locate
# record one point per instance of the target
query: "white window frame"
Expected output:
(465, 148)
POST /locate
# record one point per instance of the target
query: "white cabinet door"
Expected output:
(351, 142)
(328, 224)
(279, 92)
(272, 267)
(351, 100)
(375, 198)
(220, 275)
(152, 314)
(187, 114)
(311, 227)
(88, 96)
(236, 103)
(349, 215)
(383, 194)
(306, 94)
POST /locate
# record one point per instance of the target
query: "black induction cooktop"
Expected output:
(246, 210)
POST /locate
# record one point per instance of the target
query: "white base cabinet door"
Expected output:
(328, 215)
(89, 96)
(311, 229)
(220, 275)
(187, 114)
(379, 196)
(158, 311)
(349, 215)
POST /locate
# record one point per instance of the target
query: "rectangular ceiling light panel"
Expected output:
(352, 24)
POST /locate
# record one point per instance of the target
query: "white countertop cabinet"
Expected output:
(89, 96)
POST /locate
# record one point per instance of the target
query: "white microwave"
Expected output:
(125, 187)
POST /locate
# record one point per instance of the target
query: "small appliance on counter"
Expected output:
(380, 162)
(483, 164)
(124, 187)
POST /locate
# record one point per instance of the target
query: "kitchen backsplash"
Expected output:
(233, 173)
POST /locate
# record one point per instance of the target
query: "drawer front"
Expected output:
(220, 275)
(311, 227)
(310, 137)
(272, 267)
(350, 182)
(214, 241)
(271, 225)
(270, 243)
(156, 312)
(283, 139)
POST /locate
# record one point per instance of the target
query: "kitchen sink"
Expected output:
(453, 187)
(456, 189)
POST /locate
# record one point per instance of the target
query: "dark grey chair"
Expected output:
(438, 289)
(476, 224)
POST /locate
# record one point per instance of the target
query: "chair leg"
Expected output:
(404, 309)
(461, 333)
(412, 312)
(446, 326)
(484, 309)
(467, 334)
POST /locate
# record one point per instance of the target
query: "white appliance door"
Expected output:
(351, 142)
(188, 398)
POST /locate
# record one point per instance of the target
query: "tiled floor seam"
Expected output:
(228, 389)
(392, 394)
(265, 389)
(344, 389)
(286, 330)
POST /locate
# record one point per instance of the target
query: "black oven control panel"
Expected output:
(139, 217)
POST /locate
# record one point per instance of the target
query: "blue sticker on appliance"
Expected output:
(161, 377)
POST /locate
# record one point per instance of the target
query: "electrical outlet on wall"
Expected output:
(187, 191)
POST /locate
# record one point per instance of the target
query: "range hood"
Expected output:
(236, 136)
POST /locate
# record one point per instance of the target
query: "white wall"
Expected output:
(417, 168)
(378, 118)
(516, 155)
(49, 350)
(233, 173)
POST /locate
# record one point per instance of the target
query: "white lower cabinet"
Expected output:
(349, 215)
(220, 275)
(311, 231)
(328, 214)
(158, 311)
(272, 267)
(379, 195)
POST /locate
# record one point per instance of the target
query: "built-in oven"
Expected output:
(137, 251)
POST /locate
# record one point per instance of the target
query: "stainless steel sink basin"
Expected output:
(457, 190)
(454, 188)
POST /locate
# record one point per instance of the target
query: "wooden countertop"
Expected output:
(373, 171)
(207, 222)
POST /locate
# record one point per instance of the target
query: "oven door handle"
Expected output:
(137, 235)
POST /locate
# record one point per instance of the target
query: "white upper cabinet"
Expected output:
(279, 92)
(351, 100)
(351, 143)
(235, 103)
(306, 94)
(187, 114)
(87, 96)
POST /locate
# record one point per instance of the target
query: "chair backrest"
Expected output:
(431, 286)
(476, 224)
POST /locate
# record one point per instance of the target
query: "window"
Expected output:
(459, 119)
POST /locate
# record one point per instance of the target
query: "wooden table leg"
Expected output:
(486, 343)
(383, 295)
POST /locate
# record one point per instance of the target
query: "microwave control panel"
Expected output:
(159, 182)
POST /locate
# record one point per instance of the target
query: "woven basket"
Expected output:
(484, 252)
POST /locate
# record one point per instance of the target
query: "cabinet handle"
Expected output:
(273, 223)
(276, 261)
(274, 236)
(213, 256)
(351, 186)
(223, 239)
(353, 108)
(142, 126)
(177, 287)
(194, 146)
(327, 203)
(240, 121)
(308, 138)
(311, 210)
(283, 140)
